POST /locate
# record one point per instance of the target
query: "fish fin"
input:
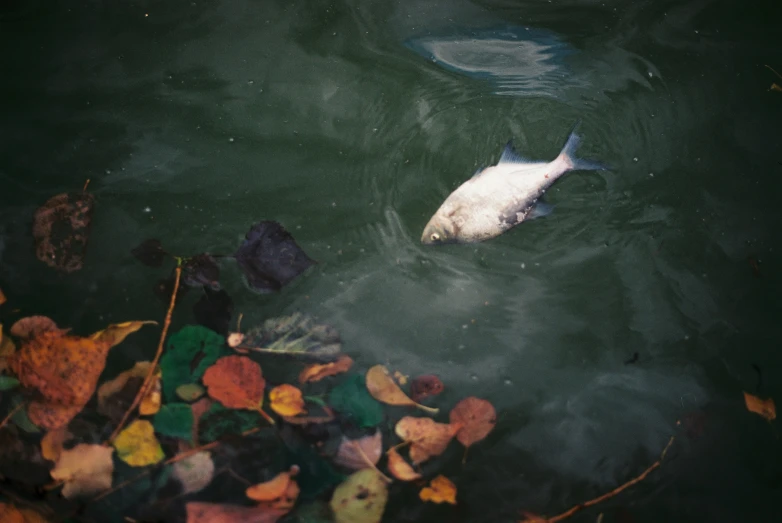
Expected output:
(540, 210)
(509, 155)
(568, 154)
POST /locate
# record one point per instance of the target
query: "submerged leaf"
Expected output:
(318, 371)
(202, 512)
(214, 310)
(220, 421)
(399, 468)
(137, 446)
(352, 399)
(200, 270)
(116, 395)
(425, 386)
(360, 499)
(296, 335)
(190, 392)
(278, 493)
(52, 443)
(189, 353)
(440, 489)
(7, 383)
(286, 400)
(357, 454)
(61, 228)
(2, 297)
(236, 382)
(116, 333)
(150, 252)
(764, 408)
(776, 87)
(476, 418)
(175, 420)
(85, 469)
(383, 388)
(427, 437)
(195, 472)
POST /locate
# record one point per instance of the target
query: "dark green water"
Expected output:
(194, 120)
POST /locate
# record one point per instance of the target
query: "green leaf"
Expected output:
(219, 421)
(296, 335)
(352, 398)
(188, 354)
(190, 392)
(21, 419)
(175, 420)
(8, 382)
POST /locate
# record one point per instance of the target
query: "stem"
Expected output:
(366, 459)
(265, 416)
(776, 73)
(145, 386)
(430, 410)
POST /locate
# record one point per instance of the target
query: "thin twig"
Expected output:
(776, 73)
(142, 392)
(11, 414)
(357, 447)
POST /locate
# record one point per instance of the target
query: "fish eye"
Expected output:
(435, 237)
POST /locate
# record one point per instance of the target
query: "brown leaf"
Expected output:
(201, 512)
(11, 514)
(357, 454)
(236, 382)
(399, 468)
(317, 371)
(424, 386)
(765, 408)
(7, 348)
(116, 395)
(278, 493)
(85, 469)
(2, 297)
(52, 443)
(476, 417)
(383, 388)
(427, 437)
(32, 326)
(199, 408)
(440, 489)
(61, 229)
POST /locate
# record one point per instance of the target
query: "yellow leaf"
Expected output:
(286, 400)
(137, 445)
(85, 469)
(361, 498)
(116, 333)
(776, 87)
(765, 408)
(383, 388)
(399, 468)
(318, 371)
(52, 443)
(441, 489)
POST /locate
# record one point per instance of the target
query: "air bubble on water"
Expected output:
(474, 377)
(650, 74)
(507, 382)
(464, 326)
(333, 204)
(635, 159)
(147, 209)
(230, 139)
(298, 227)
(651, 174)
(461, 347)
(250, 82)
(523, 265)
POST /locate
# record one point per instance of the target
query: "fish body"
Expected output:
(501, 196)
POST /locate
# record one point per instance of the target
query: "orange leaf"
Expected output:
(11, 514)
(236, 382)
(476, 417)
(383, 388)
(399, 468)
(201, 512)
(362, 453)
(440, 489)
(32, 326)
(286, 400)
(2, 297)
(52, 443)
(85, 469)
(316, 371)
(279, 493)
(765, 408)
(427, 437)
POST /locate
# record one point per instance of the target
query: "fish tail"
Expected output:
(568, 155)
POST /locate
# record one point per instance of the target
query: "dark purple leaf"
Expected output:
(270, 257)
(214, 310)
(61, 228)
(200, 270)
(150, 252)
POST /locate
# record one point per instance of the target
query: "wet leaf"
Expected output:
(295, 335)
(190, 392)
(116, 395)
(352, 399)
(476, 417)
(7, 383)
(270, 258)
(357, 454)
(115, 334)
(12, 514)
(2, 297)
(137, 445)
(7, 348)
(360, 499)
(214, 310)
(219, 422)
(22, 420)
(201, 512)
(199, 408)
(286, 400)
(236, 382)
(195, 472)
(61, 229)
(427, 437)
(32, 326)
(399, 468)
(440, 490)
(383, 388)
(776, 87)
(764, 408)
(52, 443)
(278, 493)
(318, 371)
(425, 386)
(150, 252)
(200, 270)
(85, 469)
(175, 420)
(188, 354)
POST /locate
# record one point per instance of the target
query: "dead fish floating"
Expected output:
(502, 196)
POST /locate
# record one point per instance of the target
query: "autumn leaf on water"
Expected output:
(195, 472)
(427, 437)
(61, 229)
(85, 470)
(383, 388)
(318, 371)
(295, 335)
(357, 454)
(116, 333)
(278, 493)
(202, 512)
(137, 445)
(237, 383)
(188, 354)
(399, 468)
(117, 394)
(475, 418)
(7, 347)
(440, 490)
(52, 443)
(286, 400)
(32, 326)
(13, 514)
(764, 408)
(2, 297)
(425, 386)
(360, 499)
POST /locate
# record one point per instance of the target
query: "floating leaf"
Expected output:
(201, 512)
(399, 468)
(116, 395)
(61, 230)
(278, 493)
(440, 490)
(476, 418)
(425, 386)
(357, 454)
(195, 472)
(175, 420)
(7, 383)
(765, 408)
(32, 326)
(2, 297)
(427, 437)
(776, 87)
(219, 421)
(7, 348)
(150, 252)
(189, 353)
(22, 420)
(295, 335)
(52, 443)
(85, 469)
(12, 514)
(214, 310)
(318, 371)
(351, 398)
(190, 392)
(236, 382)
(286, 400)
(360, 499)
(137, 446)
(200, 270)
(270, 258)
(383, 388)
(116, 333)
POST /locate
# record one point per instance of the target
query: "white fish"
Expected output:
(500, 197)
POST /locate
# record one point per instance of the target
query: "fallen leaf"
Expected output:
(115, 334)
(236, 382)
(221, 421)
(427, 437)
(150, 252)
(476, 418)
(357, 454)
(199, 408)
(279, 493)
(270, 258)
(383, 388)
(296, 335)
(175, 420)
(440, 489)
(190, 392)
(2, 297)
(137, 446)
(425, 386)
(7, 348)
(194, 472)
(776, 87)
(188, 354)
(399, 468)
(52, 443)
(21, 419)
(32, 326)
(318, 371)
(8, 383)
(361, 498)
(286, 400)
(85, 470)
(61, 230)
(12, 514)
(202, 512)
(214, 310)
(764, 408)
(352, 399)
(201, 270)
(127, 387)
